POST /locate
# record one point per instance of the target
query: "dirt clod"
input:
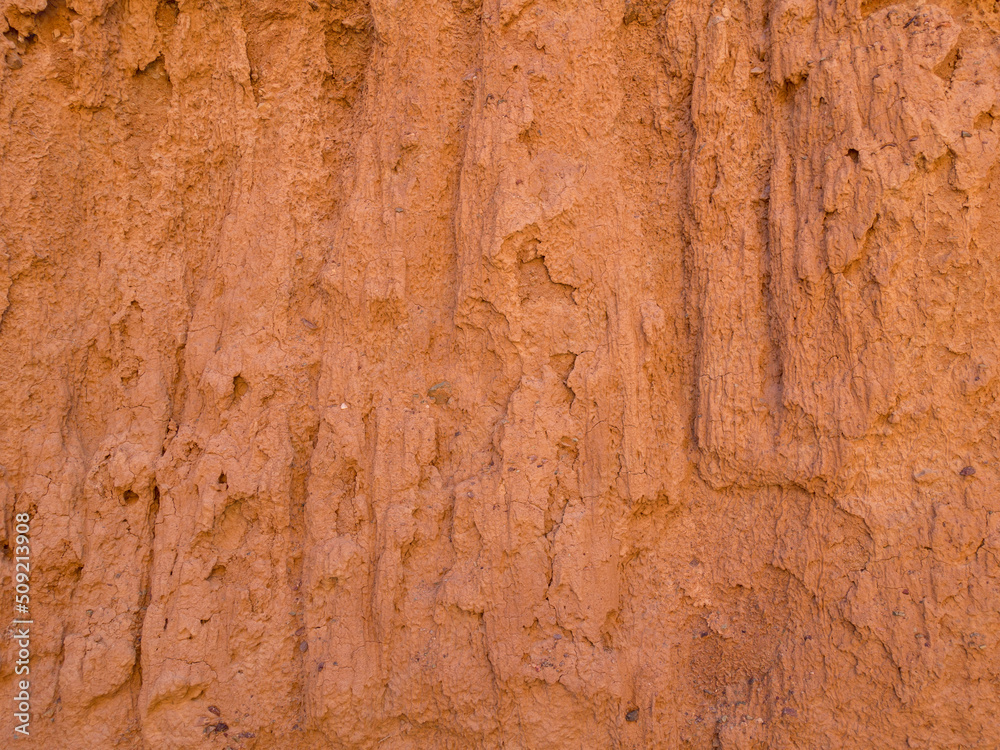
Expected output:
(440, 392)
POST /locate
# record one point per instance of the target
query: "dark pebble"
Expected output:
(968, 471)
(789, 711)
(632, 715)
(214, 710)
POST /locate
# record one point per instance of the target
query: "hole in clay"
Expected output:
(130, 497)
(984, 121)
(240, 387)
(166, 15)
(853, 154)
(869, 7)
(222, 478)
(946, 68)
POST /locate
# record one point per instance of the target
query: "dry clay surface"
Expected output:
(405, 374)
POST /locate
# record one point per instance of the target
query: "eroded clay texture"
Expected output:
(544, 374)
